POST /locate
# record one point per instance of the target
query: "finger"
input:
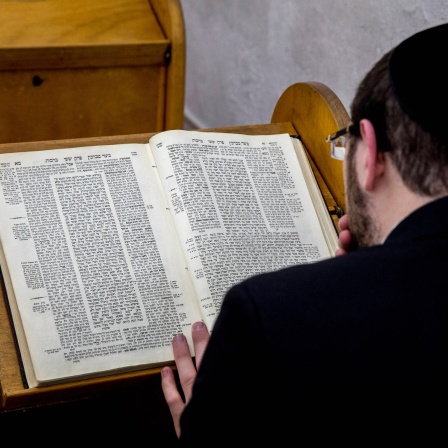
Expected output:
(343, 223)
(345, 239)
(200, 336)
(172, 396)
(184, 364)
(340, 252)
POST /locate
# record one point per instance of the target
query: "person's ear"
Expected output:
(373, 162)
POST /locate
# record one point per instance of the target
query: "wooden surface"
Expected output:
(78, 31)
(14, 395)
(81, 68)
(172, 21)
(316, 110)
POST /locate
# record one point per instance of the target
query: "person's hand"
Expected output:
(345, 240)
(186, 369)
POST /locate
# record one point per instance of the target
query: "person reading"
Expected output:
(357, 344)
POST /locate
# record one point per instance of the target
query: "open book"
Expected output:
(108, 251)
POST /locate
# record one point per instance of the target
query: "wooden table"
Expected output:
(83, 68)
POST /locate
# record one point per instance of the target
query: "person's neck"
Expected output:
(399, 206)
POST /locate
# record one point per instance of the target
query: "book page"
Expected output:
(241, 207)
(321, 208)
(93, 263)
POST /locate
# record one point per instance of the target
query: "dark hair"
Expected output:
(420, 158)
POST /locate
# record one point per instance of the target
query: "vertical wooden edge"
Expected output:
(10, 374)
(315, 112)
(170, 15)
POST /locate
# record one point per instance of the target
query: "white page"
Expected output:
(241, 207)
(98, 276)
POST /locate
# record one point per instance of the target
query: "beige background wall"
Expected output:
(242, 54)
